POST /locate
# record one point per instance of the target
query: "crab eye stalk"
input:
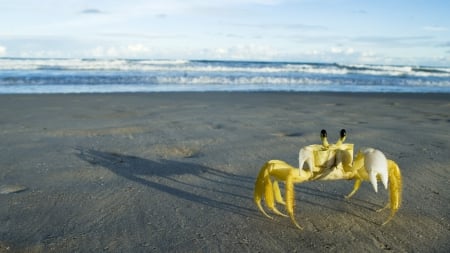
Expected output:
(323, 138)
(343, 133)
(323, 134)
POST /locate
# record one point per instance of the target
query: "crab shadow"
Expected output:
(337, 202)
(168, 176)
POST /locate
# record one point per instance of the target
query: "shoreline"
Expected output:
(175, 171)
(232, 91)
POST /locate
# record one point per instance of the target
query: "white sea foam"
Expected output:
(216, 66)
(117, 75)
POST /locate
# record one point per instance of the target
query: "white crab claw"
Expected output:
(376, 164)
(306, 155)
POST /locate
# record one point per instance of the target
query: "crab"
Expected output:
(327, 162)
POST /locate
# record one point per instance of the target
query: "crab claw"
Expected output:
(306, 155)
(376, 165)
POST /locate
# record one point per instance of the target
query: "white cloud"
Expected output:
(128, 51)
(141, 50)
(44, 54)
(2, 50)
(344, 51)
(101, 52)
(138, 48)
(346, 55)
(243, 52)
(312, 52)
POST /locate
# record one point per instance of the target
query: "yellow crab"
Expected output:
(327, 162)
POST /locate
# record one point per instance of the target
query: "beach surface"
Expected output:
(174, 172)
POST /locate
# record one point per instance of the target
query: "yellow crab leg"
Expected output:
(395, 189)
(270, 191)
(355, 188)
(290, 199)
(270, 198)
(277, 193)
(259, 188)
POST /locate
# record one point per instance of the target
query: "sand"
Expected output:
(174, 172)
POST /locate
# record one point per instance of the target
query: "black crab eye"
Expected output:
(323, 133)
(343, 133)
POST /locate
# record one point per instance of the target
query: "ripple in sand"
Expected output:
(184, 152)
(7, 189)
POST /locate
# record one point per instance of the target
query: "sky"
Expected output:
(399, 32)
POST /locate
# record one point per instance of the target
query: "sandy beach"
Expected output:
(174, 172)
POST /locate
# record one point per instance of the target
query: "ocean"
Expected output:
(35, 76)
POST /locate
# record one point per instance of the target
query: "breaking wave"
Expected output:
(118, 75)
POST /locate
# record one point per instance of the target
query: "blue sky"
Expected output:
(413, 32)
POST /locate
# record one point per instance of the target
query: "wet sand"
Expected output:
(174, 172)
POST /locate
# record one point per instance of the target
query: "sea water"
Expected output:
(20, 75)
